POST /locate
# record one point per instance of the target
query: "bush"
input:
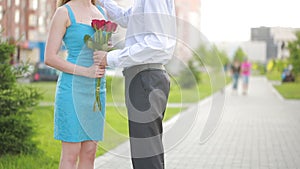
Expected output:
(190, 76)
(7, 77)
(294, 59)
(259, 68)
(16, 103)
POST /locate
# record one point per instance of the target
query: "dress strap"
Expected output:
(102, 11)
(71, 14)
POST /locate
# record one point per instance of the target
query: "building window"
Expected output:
(42, 24)
(43, 5)
(23, 5)
(41, 21)
(32, 35)
(1, 12)
(8, 3)
(17, 16)
(17, 33)
(33, 4)
(32, 20)
(17, 2)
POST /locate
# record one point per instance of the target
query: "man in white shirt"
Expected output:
(150, 42)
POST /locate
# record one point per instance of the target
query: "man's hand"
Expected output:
(100, 58)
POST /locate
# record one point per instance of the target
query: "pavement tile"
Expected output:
(257, 131)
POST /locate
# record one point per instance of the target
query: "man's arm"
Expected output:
(160, 40)
(115, 12)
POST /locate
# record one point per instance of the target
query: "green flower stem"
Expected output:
(97, 102)
(99, 39)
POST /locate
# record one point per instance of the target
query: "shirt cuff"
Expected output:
(112, 58)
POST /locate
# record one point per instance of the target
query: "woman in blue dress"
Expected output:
(76, 124)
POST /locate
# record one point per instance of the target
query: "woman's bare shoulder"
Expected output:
(62, 10)
(61, 16)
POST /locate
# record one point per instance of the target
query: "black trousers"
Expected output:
(146, 98)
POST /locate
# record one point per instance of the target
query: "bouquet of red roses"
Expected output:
(100, 41)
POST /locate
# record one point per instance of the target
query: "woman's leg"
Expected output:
(87, 155)
(245, 84)
(69, 155)
(234, 82)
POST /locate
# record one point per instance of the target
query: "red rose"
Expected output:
(98, 24)
(110, 26)
(114, 27)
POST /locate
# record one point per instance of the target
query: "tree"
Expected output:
(239, 55)
(223, 57)
(204, 57)
(294, 49)
(16, 103)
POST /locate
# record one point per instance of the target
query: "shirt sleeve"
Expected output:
(115, 12)
(158, 40)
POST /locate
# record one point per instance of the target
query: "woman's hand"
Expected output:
(100, 58)
(95, 71)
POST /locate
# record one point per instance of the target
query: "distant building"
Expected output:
(189, 11)
(266, 43)
(276, 39)
(188, 30)
(188, 14)
(255, 50)
(26, 21)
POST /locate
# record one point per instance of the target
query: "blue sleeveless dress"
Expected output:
(74, 118)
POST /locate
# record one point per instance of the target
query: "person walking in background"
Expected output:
(246, 72)
(149, 44)
(235, 73)
(76, 124)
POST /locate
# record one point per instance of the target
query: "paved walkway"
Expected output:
(257, 131)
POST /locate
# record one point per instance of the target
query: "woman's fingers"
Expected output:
(100, 71)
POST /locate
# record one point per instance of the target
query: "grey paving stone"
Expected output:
(257, 131)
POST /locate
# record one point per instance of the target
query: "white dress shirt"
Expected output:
(151, 32)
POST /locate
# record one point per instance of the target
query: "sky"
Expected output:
(231, 20)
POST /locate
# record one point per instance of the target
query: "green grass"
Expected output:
(43, 120)
(116, 132)
(27, 162)
(274, 76)
(115, 91)
(116, 129)
(194, 94)
(47, 89)
(49, 157)
(289, 90)
(170, 112)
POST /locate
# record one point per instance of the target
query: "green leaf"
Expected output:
(87, 38)
(105, 47)
(90, 44)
